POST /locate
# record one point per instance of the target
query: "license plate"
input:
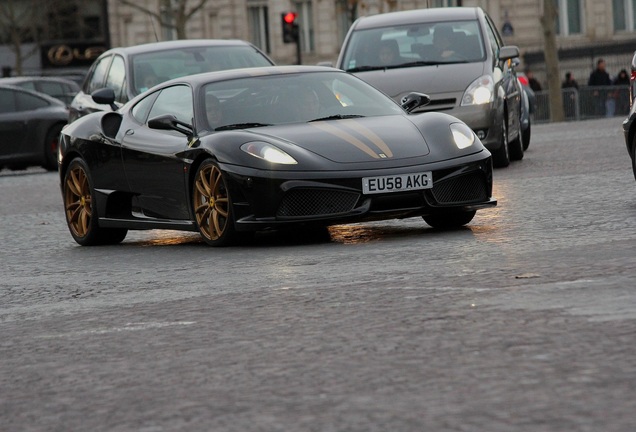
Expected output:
(397, 183)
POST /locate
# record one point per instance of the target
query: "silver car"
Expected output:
(454, 55)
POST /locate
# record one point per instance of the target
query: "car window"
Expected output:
(52, 88)
(29, 85)
(291, 98)
(96, 80)
(175, 100)
(7, 101)
(29, 102)
(116, 79)
(493, 38)
(437, 42)
(152, 68)
(142, 108)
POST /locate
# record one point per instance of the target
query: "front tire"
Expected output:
(449, 221)
(212, 205)
(526, 137)
(80, 210)
(517, 146)
(501, 157)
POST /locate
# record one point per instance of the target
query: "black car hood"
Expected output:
(353, 140)
(424, 79)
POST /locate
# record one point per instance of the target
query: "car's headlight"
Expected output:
(480, 91)
(463, 135)
(268, 152)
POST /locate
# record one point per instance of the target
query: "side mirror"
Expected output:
(170, 122)
(414, 100)
(508, 52)
(105, 96)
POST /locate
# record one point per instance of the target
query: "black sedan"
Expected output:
(30, 125)
(130, 71)
(59, 88)
(232, 152)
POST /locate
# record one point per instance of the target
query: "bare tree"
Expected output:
(173, 14)
(18, 19)
(548, 23)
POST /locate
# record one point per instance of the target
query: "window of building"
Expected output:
(305, 25)
(624, 15)
(259, 24)
(569, 17)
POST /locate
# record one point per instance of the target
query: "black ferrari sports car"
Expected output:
(230, 152)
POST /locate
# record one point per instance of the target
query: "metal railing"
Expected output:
(585, 103)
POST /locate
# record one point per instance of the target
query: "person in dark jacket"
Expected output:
(621, 94)
(602, 97)
(570, 96)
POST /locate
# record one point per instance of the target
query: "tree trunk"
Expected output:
(548, 23)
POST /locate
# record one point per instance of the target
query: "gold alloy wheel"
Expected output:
(77, 201)
(211, 202)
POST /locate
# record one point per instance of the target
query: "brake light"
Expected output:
(524, 80)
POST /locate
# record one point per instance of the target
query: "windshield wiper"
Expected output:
(365, 68)
(416, 63)
(337, 117)
(241, 126)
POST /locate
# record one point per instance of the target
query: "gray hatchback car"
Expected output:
(454, 55)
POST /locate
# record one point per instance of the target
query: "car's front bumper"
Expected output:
(270, 199)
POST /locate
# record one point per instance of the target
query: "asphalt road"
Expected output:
(523, 321)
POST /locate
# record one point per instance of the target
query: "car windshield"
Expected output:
(292, 98)
(152, 68)
(415, 45)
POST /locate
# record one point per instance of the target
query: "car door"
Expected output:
(509, 82)
(155, 174)
(12, 125)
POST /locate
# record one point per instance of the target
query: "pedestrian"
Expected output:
(621, 95)
(600, 78)
(532, 81)
(570, 92)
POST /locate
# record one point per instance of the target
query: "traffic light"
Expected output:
(290, 27)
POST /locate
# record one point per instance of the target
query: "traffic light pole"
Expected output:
(298, 60)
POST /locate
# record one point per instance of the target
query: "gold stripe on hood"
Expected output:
(347, 137)
(369, 134)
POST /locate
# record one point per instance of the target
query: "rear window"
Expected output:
(434, 43)
(153, 68)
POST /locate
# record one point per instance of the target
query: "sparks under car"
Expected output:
(230, 152)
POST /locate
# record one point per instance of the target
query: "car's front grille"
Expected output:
(466, 188)
(438, 105)
(316, 202)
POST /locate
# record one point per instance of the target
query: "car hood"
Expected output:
(353, 140)
(431, 80)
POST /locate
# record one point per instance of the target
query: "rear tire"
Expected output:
(449, 221)
(633, 155)
(80, 209)
(51, 142)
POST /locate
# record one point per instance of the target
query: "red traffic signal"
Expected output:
(290, 27)
(289, 17)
